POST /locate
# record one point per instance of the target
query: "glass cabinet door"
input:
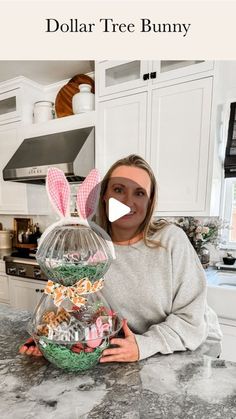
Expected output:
(170, 65)
(10, 106)
(117, 76)
(172, 69)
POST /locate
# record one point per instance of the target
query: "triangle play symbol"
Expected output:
(116, 209)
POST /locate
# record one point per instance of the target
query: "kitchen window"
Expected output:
(229, 213)
(229, 186)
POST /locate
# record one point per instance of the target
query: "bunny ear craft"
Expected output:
(88, 195)
(59, 193)
(58, 190)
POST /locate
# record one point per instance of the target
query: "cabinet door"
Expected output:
(171, 69)
(25, 294)
(117, 76)
(179, 144)
(4, 288)
(10, 106)
(228, 342)
(121, 129)
(13, 197)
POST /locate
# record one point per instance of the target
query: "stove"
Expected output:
(23, 264)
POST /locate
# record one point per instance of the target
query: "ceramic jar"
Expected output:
(84, 100)
(43, 111)
(6, 239)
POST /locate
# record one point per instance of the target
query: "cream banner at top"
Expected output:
(72, 30)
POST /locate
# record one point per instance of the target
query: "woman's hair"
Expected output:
(148, 226)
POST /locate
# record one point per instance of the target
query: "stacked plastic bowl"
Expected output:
(73, 323)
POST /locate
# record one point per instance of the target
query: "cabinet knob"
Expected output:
(146, 76)
(41, 291)
(37, 290)
(153, 75)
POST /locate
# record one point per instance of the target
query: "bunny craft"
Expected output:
(74, 247)
(72, 323)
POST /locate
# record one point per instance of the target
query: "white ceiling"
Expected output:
(44, 72)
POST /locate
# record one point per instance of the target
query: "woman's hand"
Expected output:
(127, 348)
(29, 348)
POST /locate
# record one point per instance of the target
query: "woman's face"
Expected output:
(131, 186)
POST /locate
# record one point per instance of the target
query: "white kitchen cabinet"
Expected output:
(25, 293)
(221, 297)
(16, 197)
(4, 289)
(180, 138)
(4, 284)
(121, 129)
(17, 98)
(228, 329)
(169, 70)
(10, 106)
(117, 76)
(13, 195)
(170, 128)
(121, 76)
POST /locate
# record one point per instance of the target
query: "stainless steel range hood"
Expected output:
(70, 151)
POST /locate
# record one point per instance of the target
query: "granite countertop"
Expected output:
(182, 385)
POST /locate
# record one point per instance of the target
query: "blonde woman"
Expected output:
(156, 282)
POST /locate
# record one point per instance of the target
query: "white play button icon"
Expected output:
(116, 209)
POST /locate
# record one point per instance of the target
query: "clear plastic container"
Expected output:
(71, 337)
(73, 324)
(72, 252)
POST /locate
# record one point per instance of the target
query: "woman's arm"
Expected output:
(186, 326)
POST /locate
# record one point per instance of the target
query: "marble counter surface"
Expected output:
(183, 385)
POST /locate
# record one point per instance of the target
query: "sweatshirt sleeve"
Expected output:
(185, 326)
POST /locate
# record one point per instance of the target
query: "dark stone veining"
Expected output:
(179, 386)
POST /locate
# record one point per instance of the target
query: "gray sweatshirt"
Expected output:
(162, 294)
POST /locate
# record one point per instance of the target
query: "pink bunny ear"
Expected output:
(58, 191)
(88, 194)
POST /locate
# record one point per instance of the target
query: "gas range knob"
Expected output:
(37, 273)
(11, 271)
(22, 271)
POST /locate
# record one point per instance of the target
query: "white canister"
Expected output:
(6, 237)
(43, 111)
(83, 101)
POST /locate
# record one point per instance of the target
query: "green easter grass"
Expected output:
(70, 274)
(64, 358)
